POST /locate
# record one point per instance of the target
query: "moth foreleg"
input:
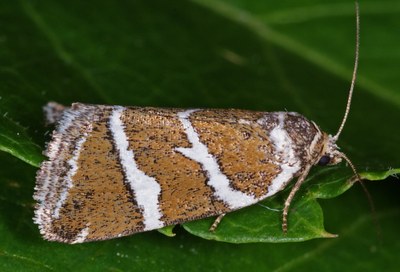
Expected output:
(289, 199)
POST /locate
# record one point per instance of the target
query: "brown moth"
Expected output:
(114, 171)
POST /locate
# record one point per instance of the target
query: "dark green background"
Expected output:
(261, 55)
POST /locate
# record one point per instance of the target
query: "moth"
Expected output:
(113, 171)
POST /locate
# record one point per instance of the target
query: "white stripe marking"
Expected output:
(73, 163)
(81, 237)
(51, 153)
(43, 212)
(286, 156)
(146, 189)
(199, 153)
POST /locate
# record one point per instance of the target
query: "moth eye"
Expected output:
(324, 160)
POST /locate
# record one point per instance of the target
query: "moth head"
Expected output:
(330, 154)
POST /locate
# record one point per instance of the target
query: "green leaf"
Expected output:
(15, 140)
(261, 55)
(167, 231)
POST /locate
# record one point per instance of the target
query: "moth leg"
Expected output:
(216, 222)
(289, 199)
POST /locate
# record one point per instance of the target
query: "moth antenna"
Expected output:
(341, 154)
(353, 80)
(369, 197)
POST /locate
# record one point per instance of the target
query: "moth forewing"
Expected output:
(114, 170)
